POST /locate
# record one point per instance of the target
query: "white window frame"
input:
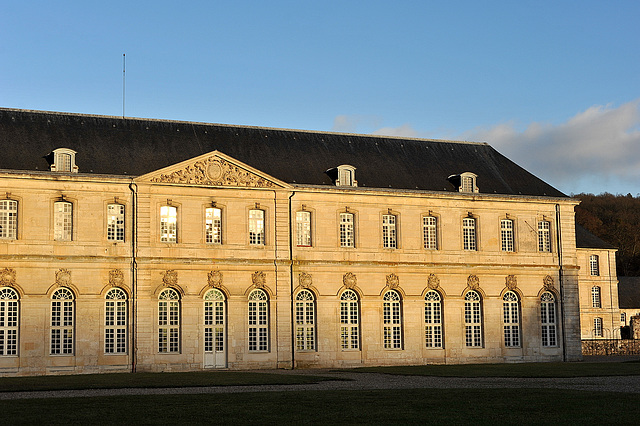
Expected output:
(303, 228)
(64, 160)
(305, 317)
(168, 224)
(213, 225)
(349, 321)
(597, 327)
(594, 265)
(9, 321)
(468, 182)
(62, 335)
(507, 238)
(389, 231)
(392, 320)
(115, 321)
(258, 321)
(596, 297)
(511, 319)
(256, 227)
(62, 221)
(8, 219)
(115, 222)
(347, 230)
(544, 236)
(346, 176)
(473, 319)
(469, 234)
(430, 232)
(548, 319)
(433, 320)
(214, 321)
(169, 311)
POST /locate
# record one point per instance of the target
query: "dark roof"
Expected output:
(585, 239)
(629, 292)
(132, 146)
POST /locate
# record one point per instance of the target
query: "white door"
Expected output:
(215, 339)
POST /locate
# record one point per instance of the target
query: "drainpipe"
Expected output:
(293, 326)
(614, 334)
(561, 282)
(134, 275)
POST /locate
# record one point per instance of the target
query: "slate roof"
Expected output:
(629, 292)
(585, 239)
(133, 146)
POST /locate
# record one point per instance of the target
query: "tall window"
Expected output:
(256, 227)
(115, 322)
(347, 236)
(8, 219)
(429, 233)
(349, 320)
(62, 221)
(115, 222)
(303, 229)
(595, 297)
(389, 239)
(392, 320)
(168, 224)
(258, 321)
(8, 321)
(433, 319)
(548, 319)
(213, 225)
(169, 321)
(469, 233)
(473, 319)
(597, 327)
(594, 265)
(214, 327)
(62, 321)
(506, 234)
(544, 236)
(511, 319)
(305, 321)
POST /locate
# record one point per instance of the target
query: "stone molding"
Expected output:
(63, 277)
(511, 282)
(473, 282)
(350, 280)
(433, 282)
(259, 279)
(393, 281)
(116, 278)
(305, 280)
(214, 278)
(8, 277)
(170, 278)
(547, 282)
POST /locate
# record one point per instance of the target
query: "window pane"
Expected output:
(303, 229)
(346, 230)
(168, 224)
(115, 222)
(256, 227)
(429, 232)
(213, 225)
(62, 221)
(8, 219)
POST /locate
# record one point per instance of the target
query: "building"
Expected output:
(153, 245)
(629, 300)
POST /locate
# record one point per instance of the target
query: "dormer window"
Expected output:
(464, 182)
(344, 175)
(63, 160)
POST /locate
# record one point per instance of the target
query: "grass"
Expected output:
(551, 369)
(413, 406)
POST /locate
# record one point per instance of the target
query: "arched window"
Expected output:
(433, 319)
(349, 320)
(473, 319)
(8, 321)
(258, 321)
(169, 321)
(115, 322)
(548, 319)
(8, 219)
(214, 316)
(305, 321)
(62, 321)
(595, 297)
(511, 319)
(392, 320)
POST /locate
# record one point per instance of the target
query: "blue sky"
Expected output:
(554, 85)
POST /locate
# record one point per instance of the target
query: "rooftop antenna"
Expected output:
(123, 69)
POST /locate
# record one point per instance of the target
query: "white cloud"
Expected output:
(405, 131)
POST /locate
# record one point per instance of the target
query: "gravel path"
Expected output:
(362, 381)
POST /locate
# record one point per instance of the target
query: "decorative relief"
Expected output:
(547, 282)
(170, 277)
(511, 282)
(8, 277)
(116, 278)
(259, 279)
(393, 281)
(214, 278)
(305, 280)
(63, 277)
(473, 282)
(214, 171)
(433, 282)
(349, 279)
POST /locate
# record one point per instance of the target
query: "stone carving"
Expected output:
(214, 278)
(63, 277)
(511, 282)
(547, 282)
(170, 277)
(215, 171)
(393, 281)
(305, 280)
(473, 282)
(7, 277)
(433, 282)
(116, 278)
(259, 279)
(349, 279)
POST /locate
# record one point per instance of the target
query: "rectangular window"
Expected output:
(594, 265)
(115, 222)
(389, 231)
(597, 327)
(62, 221)
(544, 236)
(548, 317)
(347, 238)
(303, 229)
(429, 233)
(8, 219)
(469, 233)
(256, 227)
(213, 225)
(506, 234)
(62, 327)
(595, 297)
(258, 329)
(168, 224)
(115, 323)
